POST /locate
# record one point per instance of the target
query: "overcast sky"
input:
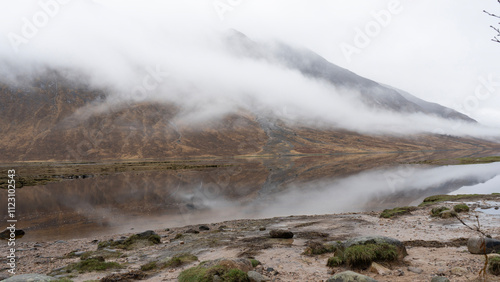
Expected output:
(439, 51)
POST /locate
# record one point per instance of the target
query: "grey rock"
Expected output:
(269, 269)
(204, 228)
(60, 242)
(280, 233)
(4, 276)
(30, 278)
(37, 245)
(192, 231)
(254, 276)
(415, 270)
(378, 240)
(350, 276)
(78, 253)
(440, 279)
(477, 245)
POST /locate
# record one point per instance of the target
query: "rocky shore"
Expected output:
(430, 243)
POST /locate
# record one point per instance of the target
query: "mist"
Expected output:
(178, 54)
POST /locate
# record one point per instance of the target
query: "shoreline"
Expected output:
(436, 246)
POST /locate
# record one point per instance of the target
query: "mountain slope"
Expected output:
(48, 117)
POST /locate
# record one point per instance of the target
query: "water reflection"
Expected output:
(243, 189)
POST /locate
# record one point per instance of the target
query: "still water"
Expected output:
(245, 188)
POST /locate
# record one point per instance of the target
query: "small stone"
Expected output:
(379, 269)
(415, 270)
(37, 245)
(459, 271)
(269, 269)
(254, 276)
(204, 228)
(29, 278)
(60, 242)
(262, 228)
(400, 272)
(216, 278)
(78, 253)
(166, 229)
(439, 279)
(350, 276)
(280, 233)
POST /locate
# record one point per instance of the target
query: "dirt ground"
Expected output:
(435, 246)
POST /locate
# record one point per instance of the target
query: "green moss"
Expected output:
(90, 265)
(363, 255)
(436, 211)
(461, 208)
(316, 248)
(235, 275)
(149, 266)
(192, 274)
(494, 266)
(202, 273)
(254, 262)
(443, 198)
(178, 236)
(131, 242)
(388, 213)
(334, 261)
(180, 259)
(483, 160)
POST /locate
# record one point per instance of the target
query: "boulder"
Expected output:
(350, 276)
(30, 278)
(242, 264)
(280, 233)
(378, 240)
(254, 276)
(477, 245)
(6, 233)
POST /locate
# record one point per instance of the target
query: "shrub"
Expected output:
(254, 262)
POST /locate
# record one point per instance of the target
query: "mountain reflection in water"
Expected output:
(250, 188)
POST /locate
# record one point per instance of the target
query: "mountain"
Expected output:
(313, 65)
(39, 119)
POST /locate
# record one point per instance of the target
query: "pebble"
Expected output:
(415, 270)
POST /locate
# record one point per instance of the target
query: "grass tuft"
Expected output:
(388, 213)
(494, 266)
(461, 208)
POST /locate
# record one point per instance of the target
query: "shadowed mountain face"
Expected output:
(56, 116)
